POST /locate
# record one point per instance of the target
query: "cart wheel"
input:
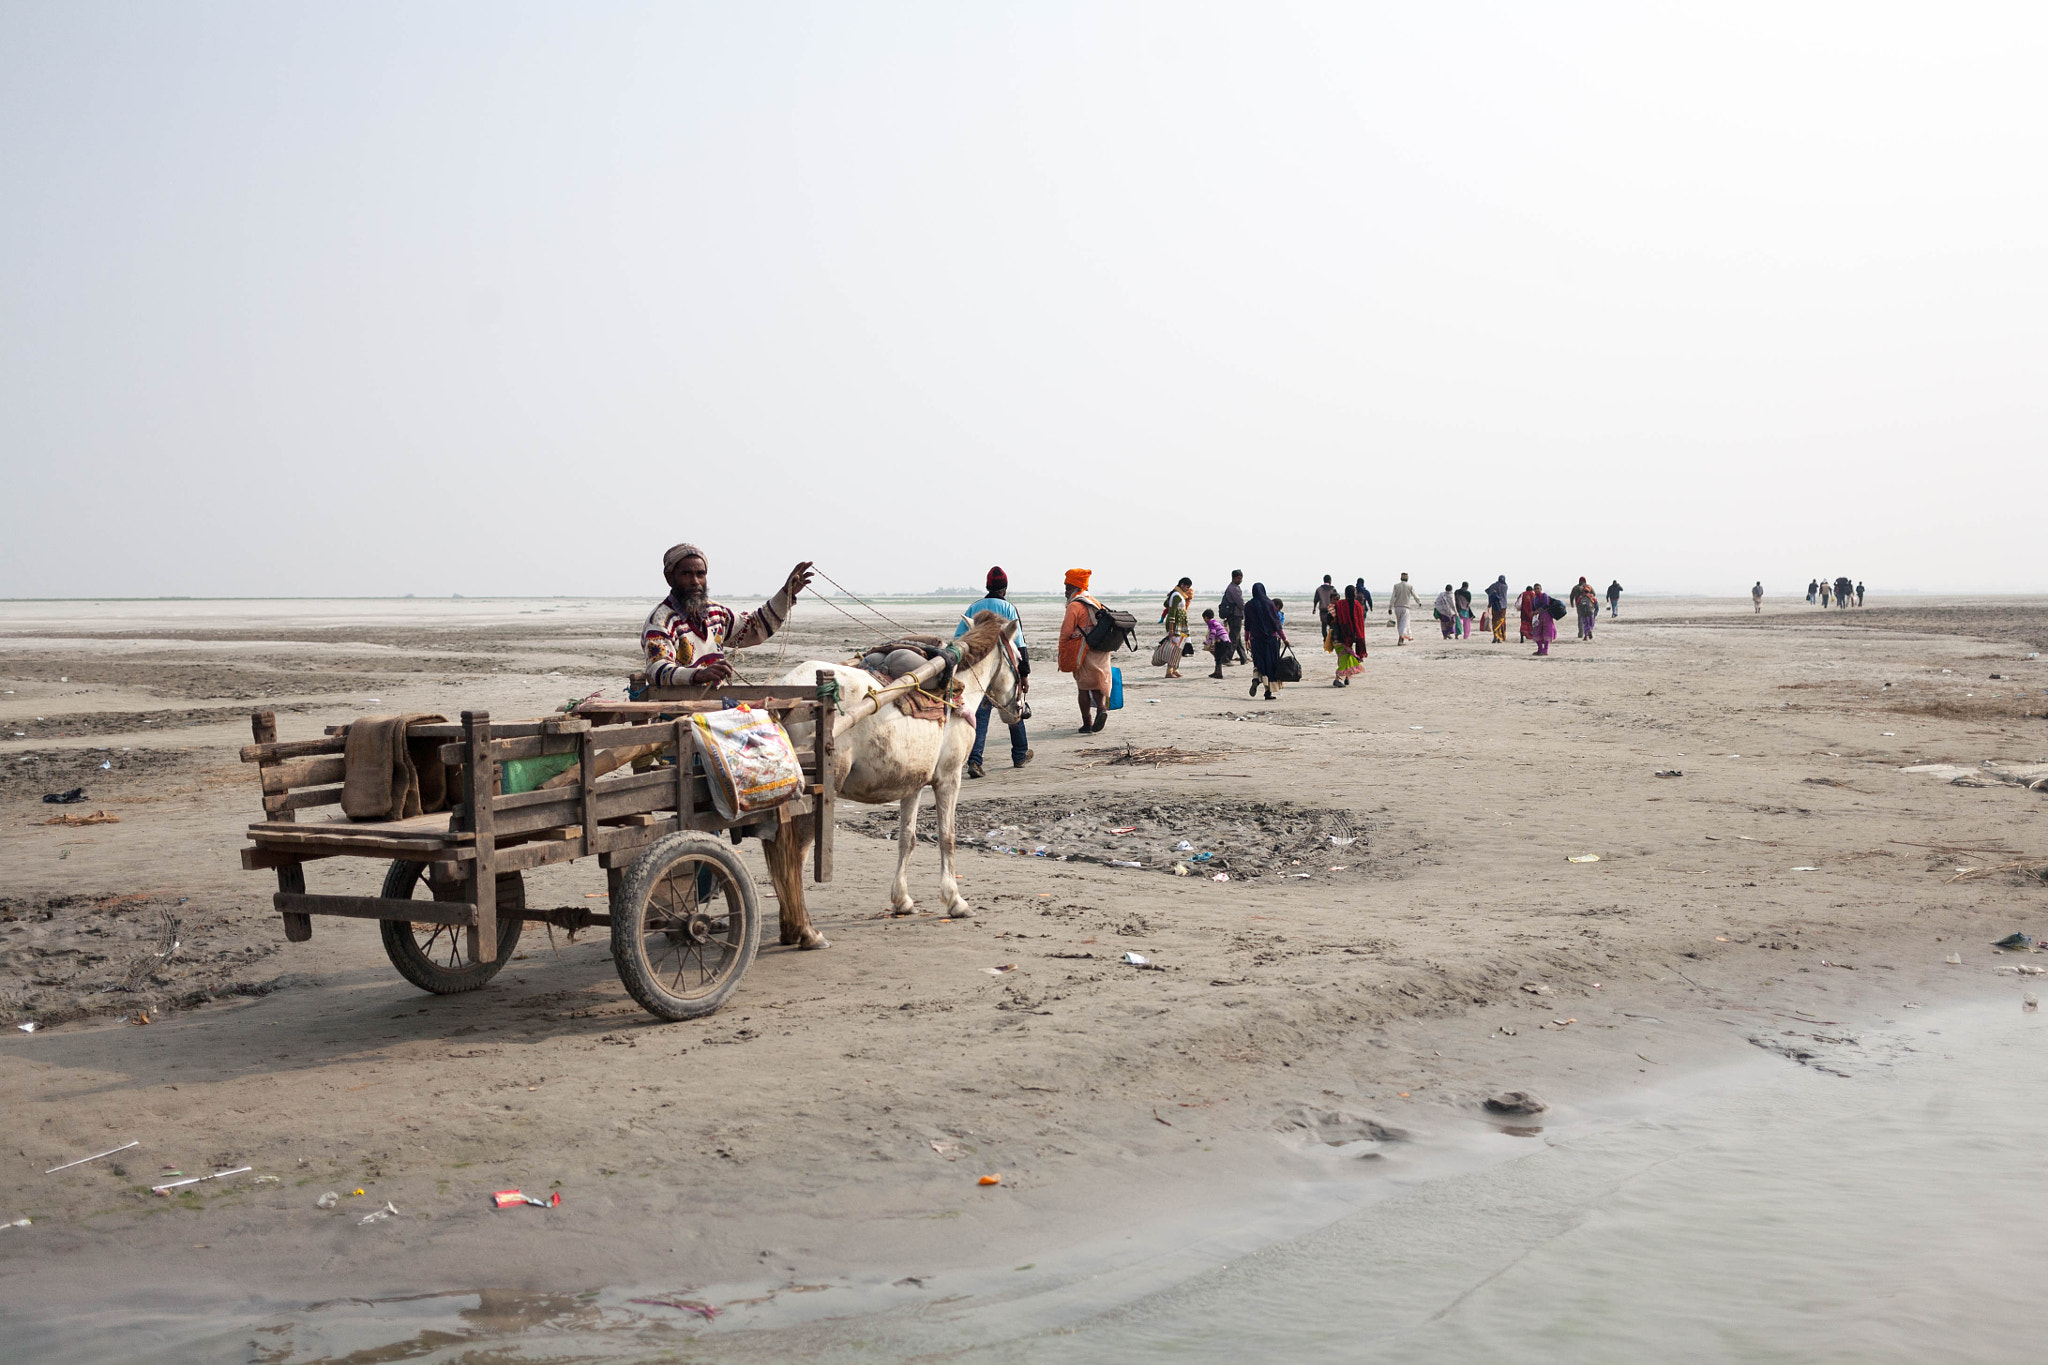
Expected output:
(685, 926)
(435, 957)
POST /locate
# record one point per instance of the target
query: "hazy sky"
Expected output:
(505, 298)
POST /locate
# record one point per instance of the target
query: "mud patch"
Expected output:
(1243, 839)
(65, 958)
(31, 774)
(78, 725)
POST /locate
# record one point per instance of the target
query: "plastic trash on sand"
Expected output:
(506, 1199)
(1221, 877)
(17, 1223)
(1671, 772)
(2015, 943)
(29, 1026)
(390, 1210)
(1583, 858)
(990, 1180)
(1202, 857)
(1121, 862)
(68, 798)
(1136, 960)
(1183, 847)
(327, 1200)
(999, 971)
(1954, 959)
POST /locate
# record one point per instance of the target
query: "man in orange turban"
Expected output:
(1090, 667)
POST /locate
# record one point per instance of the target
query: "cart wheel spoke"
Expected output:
(686, 936)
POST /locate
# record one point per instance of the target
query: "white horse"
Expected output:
(890, 756)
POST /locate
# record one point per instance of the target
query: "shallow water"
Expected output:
(1770, 1211)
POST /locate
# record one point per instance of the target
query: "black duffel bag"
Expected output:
(1286, 668)
(1556, 609)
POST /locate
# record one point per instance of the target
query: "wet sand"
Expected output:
(837, 1114)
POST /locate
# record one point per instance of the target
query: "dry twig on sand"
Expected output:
(98, 817)
(2032, 867)
(1150, 757)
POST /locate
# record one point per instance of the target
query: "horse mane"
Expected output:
(981, 637)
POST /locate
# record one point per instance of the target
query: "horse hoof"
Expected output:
(813, 939)
(960, 912)
(899, 911)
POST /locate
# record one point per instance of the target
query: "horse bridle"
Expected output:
(1014, 713)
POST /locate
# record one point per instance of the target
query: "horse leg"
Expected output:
(946, 795)
(906, 840)
(785, 856)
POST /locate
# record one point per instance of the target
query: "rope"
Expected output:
(869, 605)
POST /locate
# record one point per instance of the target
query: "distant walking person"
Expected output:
(1347, 624)
(1262, 628)
(1756, 595)
(1219, 639)
(1463, 598)
(1175, 616)
(1364, 595)
(1859, 592)
(1844, 589)
(1231, 609)
(1526, 603)
(1614, 597)
(1090, 667)
(1446, 607)
(998, 601)
(1585, 599)
(1812, 587)
(1325, 603)
(1401, 602)
(1824, 594)
(1497, 609)
(1542, 622)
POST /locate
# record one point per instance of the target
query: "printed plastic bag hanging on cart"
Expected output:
(748, 758)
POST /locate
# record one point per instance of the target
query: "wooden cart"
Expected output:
(684, 917)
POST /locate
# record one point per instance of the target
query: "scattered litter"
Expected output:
(1120, 862)
(1201, 857)
(1565, 1023)
(1301, 874)
(1583, 858)
(390, 1210)
(1843, 965)
(94, 1157)
(1415, 727)
(702, 1310)
(31, 1026)
(1343, 843)
(17, 1223)
(1670, 772)
(1954, 959)
(506, 1199)
(98, 817)
(948, 1150)
(1183, 847)
(1806, 869)
(70, 798)
(998, 971)
(2015, 943)
(1222, 877)
(1515, 1102)
(2029, 1003)
(354, 1193)
(1535, 989)
(1891, 734)
(1339, 868)
(327, 1200)
(1124, 829)
(1180, 869)
(198, 1180)
(2023, 969)
(108, 766)
(990, 1180)
(1135, 960)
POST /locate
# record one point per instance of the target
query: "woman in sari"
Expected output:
(1542, 625)
(1347, 625)
(1262, 631)
(1446, 606)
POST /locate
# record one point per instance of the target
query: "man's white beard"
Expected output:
(693, 604)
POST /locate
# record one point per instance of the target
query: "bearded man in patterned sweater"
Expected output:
(688, 636)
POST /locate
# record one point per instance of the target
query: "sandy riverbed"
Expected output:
(837, 1114)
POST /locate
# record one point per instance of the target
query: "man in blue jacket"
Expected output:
(998, 601)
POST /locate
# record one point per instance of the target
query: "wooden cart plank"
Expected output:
(305, 772)
(479, 786)
(374, 907)
(257, 859)
(338, 845)
(278, 805)
(271, 751)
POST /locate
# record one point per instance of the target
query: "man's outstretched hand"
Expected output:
(799, 578)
